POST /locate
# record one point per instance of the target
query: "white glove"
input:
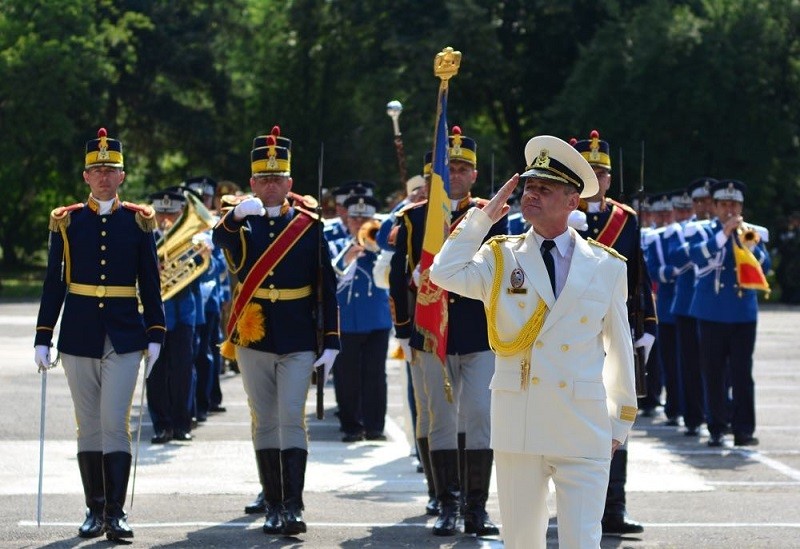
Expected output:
(42, 357)
(577, 220)
(153, 350)
(249, 206)
(326, 359)
(415, 276)
(204, 239)
(405, 345)
(645, 341)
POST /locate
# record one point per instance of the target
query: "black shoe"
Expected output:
(202, 418)
(649, 411)
(672, 422)
(93, 525)
(715, 441)
(217, 408)
(353, 437)
(691, 432)
(375, 436)
(621, 525)
(182, 436)
(162, 437)
(745, 440)
(432, 507)
(257, 506)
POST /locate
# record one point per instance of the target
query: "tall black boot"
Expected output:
(293, 469)
(615, 516)
(479, 475)
(90, 465)
(462, 471)
(432, 507)
(445, 478)
(269, 471)
(116, 469)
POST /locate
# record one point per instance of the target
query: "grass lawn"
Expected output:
(21, 283)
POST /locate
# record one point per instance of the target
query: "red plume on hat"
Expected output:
(276, 131)
(573, 141)
(102, 132)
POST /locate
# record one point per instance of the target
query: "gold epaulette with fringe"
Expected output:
(625, 207)
(411, 206)
(609, 249)
(145, 216)
(60, 217)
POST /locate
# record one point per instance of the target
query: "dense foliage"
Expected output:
(709, 86)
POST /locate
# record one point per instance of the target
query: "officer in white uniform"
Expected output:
(563, 396)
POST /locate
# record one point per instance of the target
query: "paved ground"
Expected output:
(368, 494)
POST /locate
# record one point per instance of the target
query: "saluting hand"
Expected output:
(497, 207)
(249, 206)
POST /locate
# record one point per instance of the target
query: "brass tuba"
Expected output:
(178, 251)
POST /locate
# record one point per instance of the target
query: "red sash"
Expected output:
(613, 228)
(272, 256)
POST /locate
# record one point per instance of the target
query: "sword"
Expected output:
(43, 370)
(139, 427)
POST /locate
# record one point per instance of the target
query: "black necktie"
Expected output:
(549, 262)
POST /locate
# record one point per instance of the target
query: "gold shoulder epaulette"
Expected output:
(503, 237)
(305, 201)
(145, 215)
(609, 249)
(59, 217)
(408, 207)
(305, 211)
(625, 207)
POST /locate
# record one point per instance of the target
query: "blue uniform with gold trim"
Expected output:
(101, 250)
(467, 330)
(717, 296)
(289, 323)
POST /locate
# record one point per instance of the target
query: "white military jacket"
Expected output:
(579, 392)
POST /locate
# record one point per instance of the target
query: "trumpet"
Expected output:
(749, 234)
(367, 235)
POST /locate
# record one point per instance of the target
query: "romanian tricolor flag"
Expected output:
(749, 274)
(430, 315)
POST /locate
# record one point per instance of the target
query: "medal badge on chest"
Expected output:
(517, 280)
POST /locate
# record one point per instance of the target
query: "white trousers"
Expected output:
(522, 487)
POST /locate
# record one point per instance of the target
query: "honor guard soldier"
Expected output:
(685, 324)
(360, 369)
(731, 264)
(169, 386)
(276, 250)
(563, 396)
(100, 251)
(460, 385)
(614, 224)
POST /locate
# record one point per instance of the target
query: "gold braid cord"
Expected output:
(529, 332)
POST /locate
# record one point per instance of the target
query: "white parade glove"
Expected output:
(405, 345)
(153, 350)
(415, 276)
(326, 359)
(42, 357)
(645, 341)
(204, 239)
(249, 206)
(577, 220)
